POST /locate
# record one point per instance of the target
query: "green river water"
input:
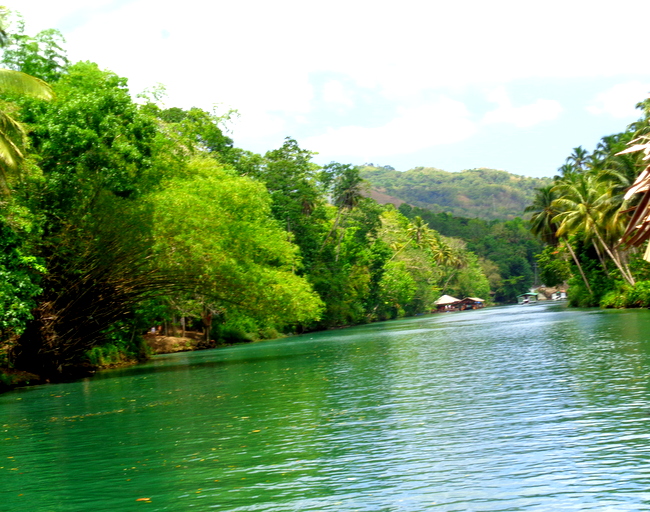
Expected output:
(534, 408)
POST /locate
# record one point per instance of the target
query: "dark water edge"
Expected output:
(11, 378)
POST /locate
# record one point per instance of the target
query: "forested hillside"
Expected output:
(475, 193)
(506, 249)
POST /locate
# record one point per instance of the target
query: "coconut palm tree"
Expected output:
(543, 226)
(347, 191)
(565, 171)
(12, 133)
(541, 222)
(584, 204)
(578, 159)
(418, 230)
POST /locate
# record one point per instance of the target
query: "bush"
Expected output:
(236, 329)
(122, 345)
(626, 296)
(242, 329)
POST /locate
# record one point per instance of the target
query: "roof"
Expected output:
(528, 294)
(446, 299)
(475, 299)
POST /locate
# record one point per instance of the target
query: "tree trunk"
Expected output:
(575, 258)
(334, 226)
(600, 257)
(627, 277)
(207, 324)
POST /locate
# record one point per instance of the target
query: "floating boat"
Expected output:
(527, 298)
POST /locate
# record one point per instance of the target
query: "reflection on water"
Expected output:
(503, 409)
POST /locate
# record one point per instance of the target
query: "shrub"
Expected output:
(626, 296)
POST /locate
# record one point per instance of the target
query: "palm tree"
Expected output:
(12, 132)
(578, 159)
(544, 227)
(347, 191)
(418, 229)
(541, 222)
(451, 259)
(418, 232)
(609, 146)
(565, 171)
(584, 204)
(348, 186)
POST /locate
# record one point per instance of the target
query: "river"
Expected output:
(513, 408)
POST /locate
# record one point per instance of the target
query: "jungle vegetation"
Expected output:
(506, 249)
(589, 219)
(117, 215)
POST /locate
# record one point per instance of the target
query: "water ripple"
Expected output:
(504, 409)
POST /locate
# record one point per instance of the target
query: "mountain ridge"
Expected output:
(485, 193)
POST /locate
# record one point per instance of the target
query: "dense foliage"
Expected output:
(583, 215)
(119, 216)
(506, 249)
(476, 193)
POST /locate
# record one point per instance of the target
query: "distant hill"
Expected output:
(483, 193)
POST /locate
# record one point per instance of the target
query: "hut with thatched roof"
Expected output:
(447, 303)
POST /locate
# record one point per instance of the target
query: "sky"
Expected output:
(503, 84)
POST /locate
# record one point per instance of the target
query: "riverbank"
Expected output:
(160, 344)
(11, 378)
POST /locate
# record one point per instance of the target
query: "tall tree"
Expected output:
(582, 205)
(543, 212)
(578, 159)
(291, 178)
(544, 226)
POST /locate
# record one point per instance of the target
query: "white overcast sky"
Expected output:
(511, 85)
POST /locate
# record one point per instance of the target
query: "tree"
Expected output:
(14, 82)
(398, 287)
(297, 203)
(471, 280)
(95, 159)
(345, 185)
(543, 212)
(12, 132)
(199, 131)
(41, 56)
(93, 139)
(410, 257)
(578, 159)
(216, 228)
(582, 203)
(554, 267)
(544, 226)
(18, 282)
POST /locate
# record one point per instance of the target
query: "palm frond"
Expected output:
(21, 83)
